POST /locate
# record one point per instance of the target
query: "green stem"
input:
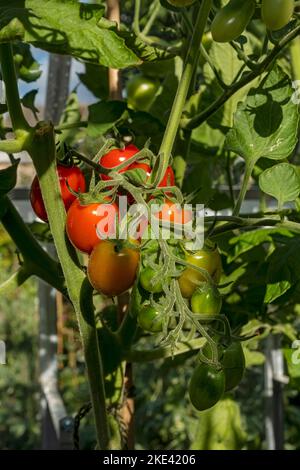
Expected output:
(155, 10)
(184, 85)
(136, 355)
(197, 120)
(36, 260)
(11, 88)
(16, 280)
(80, 292)
(11, 146)
(136, 18)
(240, 200)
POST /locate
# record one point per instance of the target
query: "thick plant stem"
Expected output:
(80, 292)
(11, 88)
(247, 176)
(184, 85)
(37, 261)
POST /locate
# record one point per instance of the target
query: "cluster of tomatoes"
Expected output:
(113, 264)
(231, 20)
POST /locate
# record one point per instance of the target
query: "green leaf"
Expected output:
(73, 28)
(283, 271)
(282, 182)
(95, 79)
(292, 357)
(253, 358)
(276, 290)
(28, 102)
(249, 240)
(104, 115)
(8, 178)
(266, 124)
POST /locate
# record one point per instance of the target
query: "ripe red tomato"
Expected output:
(76, 181)
(112, 267)
(116, 157)
(174, 213)
(83, 226)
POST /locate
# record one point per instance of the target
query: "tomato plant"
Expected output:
(69, 177)
(188, 106)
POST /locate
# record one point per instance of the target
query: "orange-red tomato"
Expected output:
(174, 213)
(76, 181)
(86, 224)
(112, 268)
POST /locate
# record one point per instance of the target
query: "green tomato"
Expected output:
(206, 301)
(146, 281)
(149, 319)
(210, 261)
(141, 92)
(230, 22)
(206, 386)
(277, 13)
(233, 362)
(181, 3)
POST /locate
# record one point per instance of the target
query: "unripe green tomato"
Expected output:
(233, 362)
(146, 278)
(206, 386)
(231, 20)
(149, 319)
(181, 3)
(206, 301)
(141, 92)
(277, 13)
(210, 261)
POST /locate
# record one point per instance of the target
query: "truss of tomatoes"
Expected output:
(113, 266)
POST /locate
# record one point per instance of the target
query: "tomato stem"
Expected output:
(247, 176)
(11, 88)
(184, 84)
(43, 154)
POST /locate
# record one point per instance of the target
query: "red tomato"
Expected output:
(84, 225)
(116, 157)
(76, 181)
(174, 213)
(168, 179)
